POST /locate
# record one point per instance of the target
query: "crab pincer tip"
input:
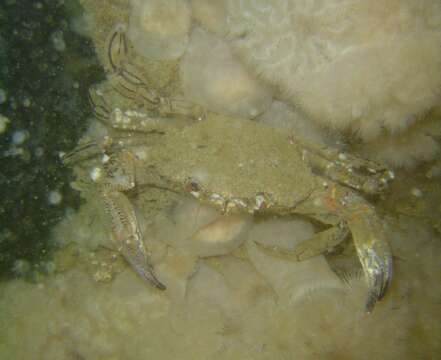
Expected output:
(379, 279)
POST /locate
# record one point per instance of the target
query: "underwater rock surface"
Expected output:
(225, 297)
(232, 308)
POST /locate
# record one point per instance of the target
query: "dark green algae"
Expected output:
(46, 97)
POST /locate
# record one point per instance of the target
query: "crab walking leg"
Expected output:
(318, 244)
(132, 120)
(132, 86)
(125, 230)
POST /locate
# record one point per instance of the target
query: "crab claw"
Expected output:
(369, 237)
(374, 254)
(135, 256)
(125, 227)
(377, 267)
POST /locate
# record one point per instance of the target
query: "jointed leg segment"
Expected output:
(367, 231)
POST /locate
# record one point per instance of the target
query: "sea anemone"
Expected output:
(215, 79)
(362, 65)
(211, 15)
(418, 143)
(290, 120)
(158, 29)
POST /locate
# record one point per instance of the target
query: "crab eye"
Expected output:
(193, 186)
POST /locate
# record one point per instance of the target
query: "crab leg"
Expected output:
(320, 243)
(133, 87)
(368, 235)
(117, 38)
(373, 251)
(125, 228)
(344, 168)
(125, 231)
(367, 231)
(119, 177)
(138, 121)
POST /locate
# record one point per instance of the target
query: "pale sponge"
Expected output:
(364, 66)
(213, 78)
(158, 29)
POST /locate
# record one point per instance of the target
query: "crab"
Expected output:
(238, 166)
